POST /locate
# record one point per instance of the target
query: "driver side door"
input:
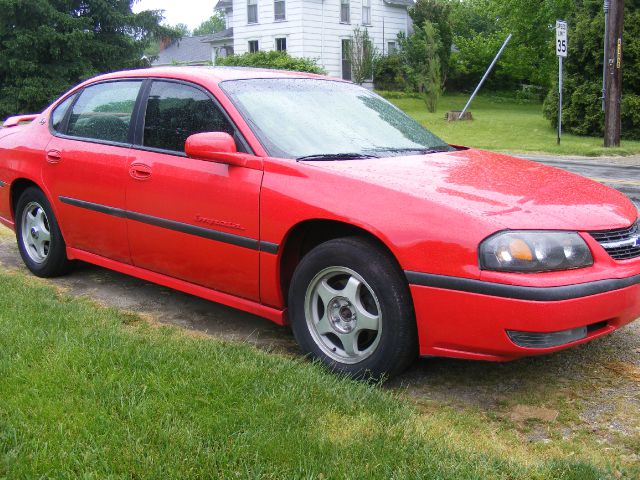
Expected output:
(191, 219)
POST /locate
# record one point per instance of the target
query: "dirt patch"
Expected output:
(521, 413)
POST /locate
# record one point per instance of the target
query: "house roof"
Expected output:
(397, 3)
(222, 35)
(187, 50)
(223, 4)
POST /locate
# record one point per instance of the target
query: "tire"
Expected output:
(350, 307)
(40, 242)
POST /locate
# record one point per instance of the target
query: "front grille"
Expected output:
(620, 243)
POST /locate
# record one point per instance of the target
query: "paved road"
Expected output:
(621, 174)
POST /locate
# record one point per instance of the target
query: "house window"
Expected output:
(253, 46)
(252, 11)
(346, 59)
(345, 11)
(391, 48)
(281, 44)
(366, 12)
(279, 10)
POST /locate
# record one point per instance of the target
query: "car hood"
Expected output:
(506, 191)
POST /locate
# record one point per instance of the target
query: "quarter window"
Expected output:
(57, 117)
(281, 44)
(366, 12)
(253, 46)
(175, 111)
(252, 11)
(345, 11)
(279, 10)
(103, 111)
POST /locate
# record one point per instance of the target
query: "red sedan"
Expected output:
(316, 203)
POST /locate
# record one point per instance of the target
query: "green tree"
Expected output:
(582, 110)
(214, 24)
(47, 46)
(362, 54)
(438, 13)
(422, 62)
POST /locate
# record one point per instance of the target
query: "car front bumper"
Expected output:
(472, 319)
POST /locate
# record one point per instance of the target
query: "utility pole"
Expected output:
(613, 83)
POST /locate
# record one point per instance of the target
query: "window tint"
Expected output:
(59, 112)
(175, 111)
(104, 111)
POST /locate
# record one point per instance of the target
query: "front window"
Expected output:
(176, 111)
(279, 10)
(345, 11)
(366, 12)
(296, 118)
(253, 46)
(252, 11)
(281, 44)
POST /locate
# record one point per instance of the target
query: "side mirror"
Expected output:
(219, 147)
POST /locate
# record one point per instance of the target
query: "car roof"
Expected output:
(207, 74)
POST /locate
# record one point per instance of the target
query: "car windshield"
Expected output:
(323, 119)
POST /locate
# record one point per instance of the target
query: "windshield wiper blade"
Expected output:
(424, 150)
(336, 156)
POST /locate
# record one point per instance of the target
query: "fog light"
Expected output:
(546, 340)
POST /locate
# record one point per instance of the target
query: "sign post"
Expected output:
(561, 51)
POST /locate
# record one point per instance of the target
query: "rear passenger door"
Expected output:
(191, 219)
(86, 166)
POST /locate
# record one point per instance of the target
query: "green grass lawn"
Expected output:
(90, 392)
(505, 125)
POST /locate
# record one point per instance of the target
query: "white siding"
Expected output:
(323, 32)
(313, 28)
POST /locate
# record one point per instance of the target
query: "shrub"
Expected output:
(389, 73)
(272, 59)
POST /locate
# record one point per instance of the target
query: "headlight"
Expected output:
(528, 251)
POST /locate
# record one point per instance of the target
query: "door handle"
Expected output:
(54, 156)
(139, 171)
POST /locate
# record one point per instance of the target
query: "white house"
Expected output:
(319, 29)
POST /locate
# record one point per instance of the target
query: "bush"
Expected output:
(582, 111)
(389, 73)
(272, 59)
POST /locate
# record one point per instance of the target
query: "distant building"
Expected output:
(186, 51)
(319, 29)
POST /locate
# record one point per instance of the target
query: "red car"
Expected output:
(316, 203)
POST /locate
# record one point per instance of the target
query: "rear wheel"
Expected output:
(40, 242)
(351, 308)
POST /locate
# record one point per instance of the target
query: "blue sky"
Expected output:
(191, 12)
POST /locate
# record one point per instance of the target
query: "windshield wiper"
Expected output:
(336, 156)
(422, 151)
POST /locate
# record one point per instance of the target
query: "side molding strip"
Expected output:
(537, 294)
(216, 235)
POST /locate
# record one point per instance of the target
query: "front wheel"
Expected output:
(40, 242)
(351, 308)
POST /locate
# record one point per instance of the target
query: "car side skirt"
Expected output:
(275, 315)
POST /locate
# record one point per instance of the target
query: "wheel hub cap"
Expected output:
(342, 315)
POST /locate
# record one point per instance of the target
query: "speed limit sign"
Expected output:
(561, 38)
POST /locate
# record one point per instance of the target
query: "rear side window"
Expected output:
(176, 111)
(57, 117)
(103, 111)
